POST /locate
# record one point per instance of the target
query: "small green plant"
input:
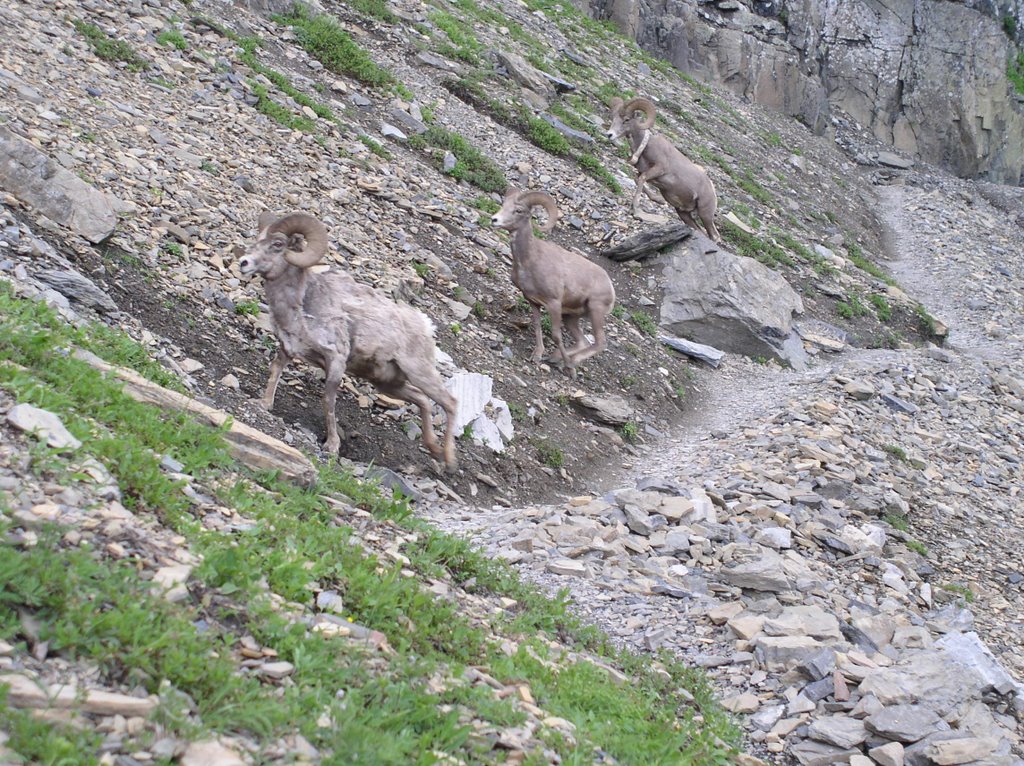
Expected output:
(377, 9)
(173, 248)
(547, 137)
(925, 320)
(858, 259)
(374, 146)
(618, 311)
(279, 114)
(110, 49)
(467, 431)
(1010, 25)
(455, 327)
(882, 307)
(486, 204)
(594, 167)
(172, 38)
(549, 454)
(464, 45)
(628, 381)
(630, 431)
(917, 547)
(961, 590)
(773, 139)
(421, 269)
(479, 310)
(517, 411)
(402, 91)
(897, 521)
(852, 307)
(208, 167)
(247, 308)
(896, 451)
(1015, 72)
(644, 323)
(760, 249)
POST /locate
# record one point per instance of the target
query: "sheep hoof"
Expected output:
(331, 446)
(255, 402)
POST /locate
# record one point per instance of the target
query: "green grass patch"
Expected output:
(644, 323)
(110, 49)
(961, 590)
(1015, 72)
(764, 250)
(172, 38)
(471, 165)
(324, 39)
(883, 310)
(377, 9)
(280, 81)
(374, 146)
(549, 454)
(38, 741)
(858, 259)
(464, 46)
(280, 114)
(852, 308)
(294, 542)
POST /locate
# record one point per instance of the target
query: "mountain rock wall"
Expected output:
(927, 76)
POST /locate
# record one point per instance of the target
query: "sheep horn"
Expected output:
(643, 105)
(616, 105)
(547, 202)
(314, 232)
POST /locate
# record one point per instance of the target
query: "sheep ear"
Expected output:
(266, 218)
(297, 242)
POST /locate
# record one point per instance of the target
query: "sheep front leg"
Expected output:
(654, 171)
(555, 312)
(538, 334)
(281, 360)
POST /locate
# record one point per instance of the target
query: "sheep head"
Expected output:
(518, 206)
(298, 239)
(624, 116)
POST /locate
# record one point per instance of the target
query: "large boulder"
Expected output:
(34, 178)
(729, 302)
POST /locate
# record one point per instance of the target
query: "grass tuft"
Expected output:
(325, 40)
(109, 49)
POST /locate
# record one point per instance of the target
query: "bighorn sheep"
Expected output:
(683, 184)
(330, 320)
(565, 283)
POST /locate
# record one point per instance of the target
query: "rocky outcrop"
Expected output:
(34, 178)
(928, 78)
(730, 302)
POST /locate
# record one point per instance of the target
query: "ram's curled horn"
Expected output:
(616, 105)
(641, 105)
(547, 202)
(310, 228)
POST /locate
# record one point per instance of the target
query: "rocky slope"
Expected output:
(807, 537)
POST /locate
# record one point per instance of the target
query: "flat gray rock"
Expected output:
(31, 176)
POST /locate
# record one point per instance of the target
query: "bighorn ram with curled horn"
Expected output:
(565, 283)
(329, 320)
(683, 184)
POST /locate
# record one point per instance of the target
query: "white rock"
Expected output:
(45, 424)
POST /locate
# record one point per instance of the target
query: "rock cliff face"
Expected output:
(927, 77)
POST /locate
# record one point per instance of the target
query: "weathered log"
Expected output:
(246, 444)
(646, 243)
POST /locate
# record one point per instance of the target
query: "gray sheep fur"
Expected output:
(329, 320)
(565, 283)
(684, 184)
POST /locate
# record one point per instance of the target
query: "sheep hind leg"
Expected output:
(572, 321)
(555, 312)
(420, 396)
(707, 217)
(597, 319)
(335, 373)
(686, 216)
(281, 361)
